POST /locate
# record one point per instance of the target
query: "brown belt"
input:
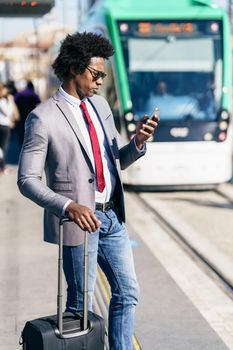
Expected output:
(105, 206)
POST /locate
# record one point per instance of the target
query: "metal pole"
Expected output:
(85, 277)
(85, 287)
(59, 295)
(60, 275)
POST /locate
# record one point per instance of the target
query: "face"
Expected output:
(88, 83)
(4, 91)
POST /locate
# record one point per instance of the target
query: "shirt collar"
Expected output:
(69, 98)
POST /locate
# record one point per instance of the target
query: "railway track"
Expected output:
(226, 192)
(210, 267)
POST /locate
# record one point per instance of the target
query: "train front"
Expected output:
(183, 67)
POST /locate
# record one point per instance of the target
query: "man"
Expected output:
(74, 137)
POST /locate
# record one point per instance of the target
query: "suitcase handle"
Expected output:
(60, 274)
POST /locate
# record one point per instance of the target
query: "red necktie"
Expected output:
(95, 148)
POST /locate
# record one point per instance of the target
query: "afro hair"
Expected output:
(76, 52)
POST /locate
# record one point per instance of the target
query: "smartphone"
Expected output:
(156, 110)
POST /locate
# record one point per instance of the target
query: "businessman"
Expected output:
(73, 137)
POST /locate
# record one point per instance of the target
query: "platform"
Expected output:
(166, 318)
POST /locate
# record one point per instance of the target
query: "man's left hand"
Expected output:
(145, 129)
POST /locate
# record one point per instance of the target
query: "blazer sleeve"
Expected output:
(130, 153)
(32, 164)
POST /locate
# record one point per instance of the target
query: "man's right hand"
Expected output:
(83, 217)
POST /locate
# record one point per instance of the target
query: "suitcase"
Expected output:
(66, 331)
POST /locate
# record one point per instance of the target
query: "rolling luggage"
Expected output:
(66, 331)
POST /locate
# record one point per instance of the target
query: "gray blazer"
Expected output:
(53, 142)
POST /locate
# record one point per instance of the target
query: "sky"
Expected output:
(65, 12)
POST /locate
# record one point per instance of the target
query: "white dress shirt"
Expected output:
(108, 167)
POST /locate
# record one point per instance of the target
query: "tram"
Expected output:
(176, 56)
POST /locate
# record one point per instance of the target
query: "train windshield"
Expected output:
(176, 66)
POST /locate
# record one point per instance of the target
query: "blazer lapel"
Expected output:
(64, 109)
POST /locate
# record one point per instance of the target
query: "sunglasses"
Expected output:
(96, 74)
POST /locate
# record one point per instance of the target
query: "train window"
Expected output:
(182, 75)
(177, 55)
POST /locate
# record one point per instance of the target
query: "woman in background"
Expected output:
(8, 116)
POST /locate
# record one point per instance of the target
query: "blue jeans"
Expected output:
(110, 246)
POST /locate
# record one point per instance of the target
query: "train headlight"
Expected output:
(208, 136)
(124, 27)
(224, 115)
(131, 127)
(222, 136)
(129, 116)
(223, 125)
(214, 27)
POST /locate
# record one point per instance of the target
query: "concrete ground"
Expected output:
(166, 319)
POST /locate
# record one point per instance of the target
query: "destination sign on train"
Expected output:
(169, 27)
(161, 27)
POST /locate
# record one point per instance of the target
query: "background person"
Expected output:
(158, 98)
(11, 87)
(26, 100)
(74, 137)
(8, 116)
(161, 88)
(172, 107)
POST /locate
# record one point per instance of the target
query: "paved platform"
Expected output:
(181, 307)
(166, 319)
